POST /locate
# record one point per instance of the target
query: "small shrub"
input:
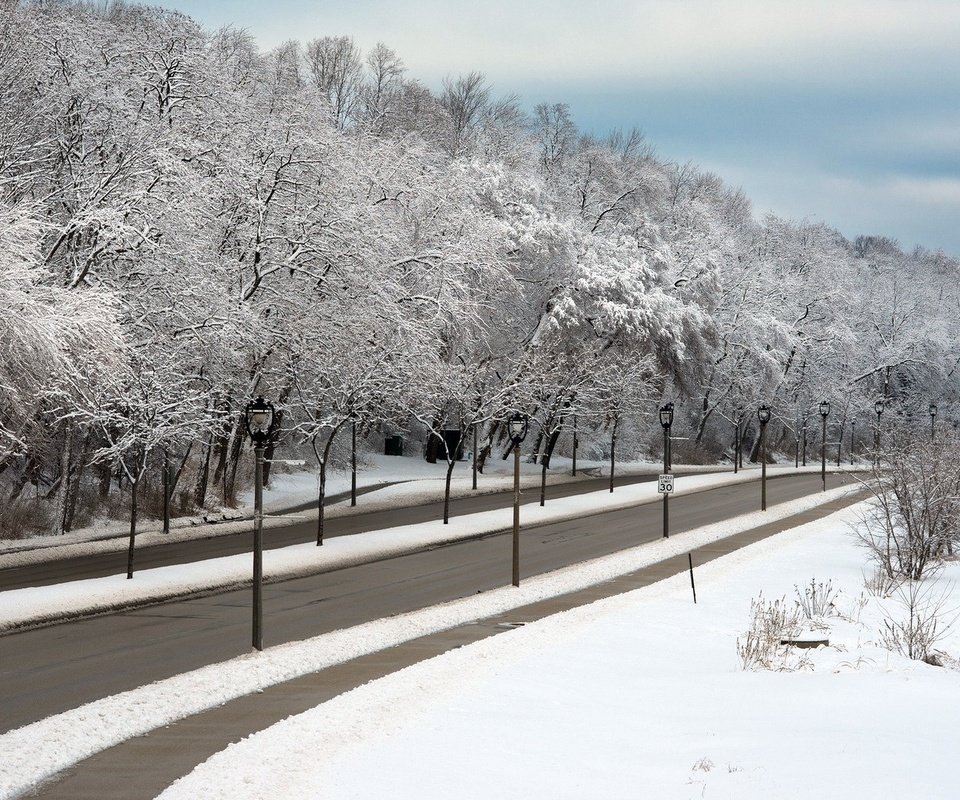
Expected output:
(770, 622)
(816, 600)
(926, 622)
(880, 583)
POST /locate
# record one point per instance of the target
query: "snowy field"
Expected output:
(640, 695)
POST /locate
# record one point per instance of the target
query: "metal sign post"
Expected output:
(665, 487)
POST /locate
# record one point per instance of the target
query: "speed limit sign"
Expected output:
(665, 484)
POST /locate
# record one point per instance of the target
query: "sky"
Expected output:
(844, 112)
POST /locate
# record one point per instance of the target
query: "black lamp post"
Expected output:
(763, 414)
(666, 420)
(736, 439)
(353, 458)
(260, 418)
(824, 413)
(166, 490)
(878, 407)
(933, 415)
(473, 466)
(517, 428)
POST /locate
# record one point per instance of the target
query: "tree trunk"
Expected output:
(220, 471)
(21, 481)
(543, 481)
(175, 479)
(490, 430)
(272, 443)
(166, 490)
(613, 455)
(551, 444)
(535, 452)
(843, 424)
(106, 476)
(203, 475)
(133, 526)
(755, 451)
(321, 496)
(322, 488)
(451, 463)
(433, 442)
(235, 451)
(63, 492)
(74, 492)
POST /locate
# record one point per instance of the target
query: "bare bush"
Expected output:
(770, 623)
(879, 583)
(913, 518)
(23, 518)
(926, 622)
(816, 599)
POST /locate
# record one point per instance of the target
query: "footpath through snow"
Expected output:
(39, 750)
(36, 605)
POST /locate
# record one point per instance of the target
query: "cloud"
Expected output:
(851, 42)
(914, 210)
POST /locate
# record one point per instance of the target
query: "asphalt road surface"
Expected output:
(49, 670)
(103, 564)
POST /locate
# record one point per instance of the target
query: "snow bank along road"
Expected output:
(48, 670)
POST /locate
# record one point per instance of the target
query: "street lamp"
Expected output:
(738, 442)
(878, 407)
(824, 413)
(933, 415)
(353, 458)
(260, 418)
(763, 414)
(666, 420)
(517, 429)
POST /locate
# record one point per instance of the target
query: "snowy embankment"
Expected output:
(639, 695)
(34, 752)
(36, 605)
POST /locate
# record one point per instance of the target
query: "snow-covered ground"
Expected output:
(35, 751)
(20, 607)
(640, 695)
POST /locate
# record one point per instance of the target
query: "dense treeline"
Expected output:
(186, 222)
